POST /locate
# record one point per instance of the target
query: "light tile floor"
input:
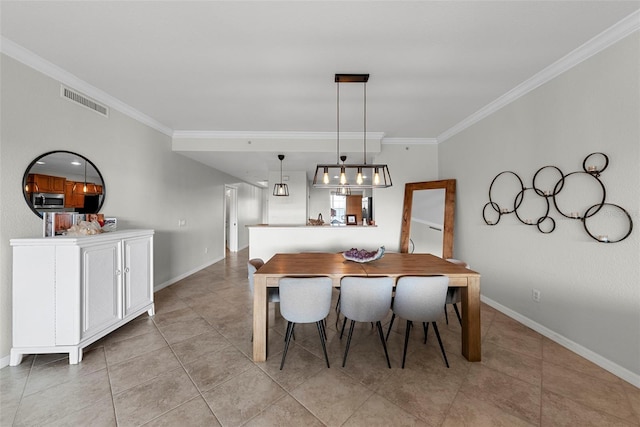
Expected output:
(191, 365)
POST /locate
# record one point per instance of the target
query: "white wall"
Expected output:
(147, 185)
(292, 209)
(590, 293)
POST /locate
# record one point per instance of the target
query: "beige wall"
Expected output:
(147, 185)
(590, 294)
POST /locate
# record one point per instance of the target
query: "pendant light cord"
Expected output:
(365, 124)
(338, 123)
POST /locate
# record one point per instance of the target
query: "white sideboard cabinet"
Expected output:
(71, 291)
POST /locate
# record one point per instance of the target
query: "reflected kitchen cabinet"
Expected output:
(73, 198)
(354, 207)
(46, 183)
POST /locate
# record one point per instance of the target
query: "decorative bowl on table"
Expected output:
(362, 255)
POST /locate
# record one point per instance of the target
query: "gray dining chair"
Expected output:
(420, 299)
(365, 299)
(454, 295)
(305, 300)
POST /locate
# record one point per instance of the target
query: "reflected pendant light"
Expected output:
(352, 176)
(281, 189)
(84, 186)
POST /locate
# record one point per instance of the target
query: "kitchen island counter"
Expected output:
(265, 240)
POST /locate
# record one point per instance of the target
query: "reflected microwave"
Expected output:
(47, 200)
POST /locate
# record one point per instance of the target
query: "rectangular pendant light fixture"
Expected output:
(351, 176)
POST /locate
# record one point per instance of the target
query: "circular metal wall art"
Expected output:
(593, 166)
(556, 185)
(588, 180)
(529, 219)
(568, 193)
(496, 213)
(612, 211)
(503, 209)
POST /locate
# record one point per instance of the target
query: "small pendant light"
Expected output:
(281, 189)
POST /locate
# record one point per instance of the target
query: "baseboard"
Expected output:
(4, 361)
(169, 282)
(604, 363)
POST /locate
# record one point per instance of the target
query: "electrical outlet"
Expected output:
(182, 222)
(535, 294)
(206, 250)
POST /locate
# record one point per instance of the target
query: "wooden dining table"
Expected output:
(395, 265)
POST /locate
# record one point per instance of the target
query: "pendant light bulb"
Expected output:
(376, 177)
(359, 179)
(343, 176)
(325, 177)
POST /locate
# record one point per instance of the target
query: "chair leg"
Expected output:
(425, 326)
(287, 340)
(324, 331)
(455, 307)
(393, 316)
(344, 322)
(384, 344)
(446, 316)
(322, 334)
(406, 342)
(435, 328)
(346, 350)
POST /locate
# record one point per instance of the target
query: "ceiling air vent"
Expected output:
(79, 98)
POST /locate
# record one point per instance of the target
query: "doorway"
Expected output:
(231, 218)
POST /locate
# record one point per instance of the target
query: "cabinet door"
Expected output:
(73, 195)
(137, 274)
(57, 184)
(43, 183)
(101, 278)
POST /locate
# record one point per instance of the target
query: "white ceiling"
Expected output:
(242, 66)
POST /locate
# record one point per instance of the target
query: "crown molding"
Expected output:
(593, 46)
(409, 141)
(49, 69)
(610, 36)
(195, 134)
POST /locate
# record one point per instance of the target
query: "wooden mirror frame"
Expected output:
(449, 186)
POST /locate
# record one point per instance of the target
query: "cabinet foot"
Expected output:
(15, 358)
(75, 356)
(152, 311)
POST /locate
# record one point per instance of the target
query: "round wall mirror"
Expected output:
(63, 181)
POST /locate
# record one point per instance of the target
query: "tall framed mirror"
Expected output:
(63, 181)
(427, 217)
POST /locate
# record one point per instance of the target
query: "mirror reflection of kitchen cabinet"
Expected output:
(73, 198)
(46, 183)
(354, 207)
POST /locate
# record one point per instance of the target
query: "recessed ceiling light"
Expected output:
(76, 163)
